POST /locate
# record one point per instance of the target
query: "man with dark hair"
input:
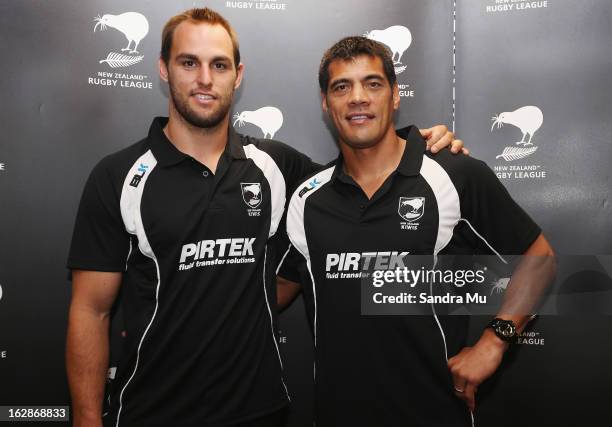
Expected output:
(183, 224)
(385, 197)
(351, 47)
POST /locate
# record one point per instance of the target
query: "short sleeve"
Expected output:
(302, 167)
(494, 215)
(99, 240)
(293, 164)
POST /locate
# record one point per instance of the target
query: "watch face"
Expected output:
(506, 329)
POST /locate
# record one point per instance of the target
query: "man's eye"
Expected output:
(189, 63)
(340, 88)
(374, 84)
(220, 66)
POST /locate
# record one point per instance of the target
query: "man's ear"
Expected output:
(239, 74)
(163, 70)
(396, 97)
(324, 102)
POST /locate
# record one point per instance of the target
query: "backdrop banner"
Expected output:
(526, 85)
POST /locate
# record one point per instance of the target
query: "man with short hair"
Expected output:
(396, 370)
(184, 225)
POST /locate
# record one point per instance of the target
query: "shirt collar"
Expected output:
(412, 158)
(167, 154)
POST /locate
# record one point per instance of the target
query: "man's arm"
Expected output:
(288, 278)
(286, 292)
(93, 295)
(531, 277)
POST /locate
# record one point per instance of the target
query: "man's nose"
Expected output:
(359, 95)
(205, 76)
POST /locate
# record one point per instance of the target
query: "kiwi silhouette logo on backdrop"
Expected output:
(397, 38)
(500, 285)
(134, 26)
(528, 120)
(515, 161)
(269, 119)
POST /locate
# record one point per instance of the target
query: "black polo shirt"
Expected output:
(392, 370)
(199, 253)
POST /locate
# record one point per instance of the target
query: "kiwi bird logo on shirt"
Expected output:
(269, 119)
(397, 38)
(411, 208)
(134, 26)
(251, 193)
(528, 119)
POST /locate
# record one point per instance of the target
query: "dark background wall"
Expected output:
(59, 118)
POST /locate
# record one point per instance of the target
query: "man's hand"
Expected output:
(439, 137)
(529, 280)
(475, 364)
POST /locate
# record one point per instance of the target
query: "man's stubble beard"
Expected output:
(208, 121)
(355, 143)
(359, 145)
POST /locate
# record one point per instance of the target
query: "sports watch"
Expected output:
(504, 329)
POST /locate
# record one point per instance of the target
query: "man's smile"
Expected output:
(359, 118)
(203, 98)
